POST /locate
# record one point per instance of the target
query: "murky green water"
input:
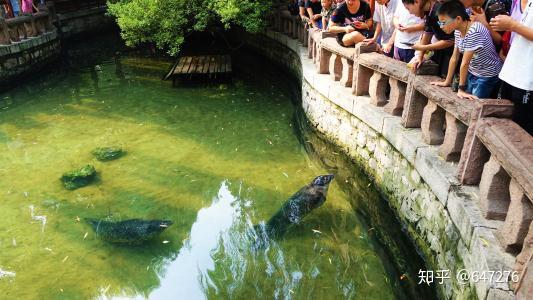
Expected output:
(214, 159)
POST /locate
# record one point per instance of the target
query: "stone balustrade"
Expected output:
(491, 151)
(24, 27)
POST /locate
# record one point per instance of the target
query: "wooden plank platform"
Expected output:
(207, 65)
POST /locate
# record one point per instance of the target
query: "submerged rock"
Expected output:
(107, 153)
(134, 231)
(78, 178)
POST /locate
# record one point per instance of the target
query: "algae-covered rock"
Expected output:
(78, 178)
(107, 153)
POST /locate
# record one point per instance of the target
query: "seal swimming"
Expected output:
(133, 231)
(298, 206)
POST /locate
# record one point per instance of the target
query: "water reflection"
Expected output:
(188, 273)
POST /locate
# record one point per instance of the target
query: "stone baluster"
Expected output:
(4, 33)
(474, 154)
(347, 72)
(432, 124)
(377, 88)
(310, 44)
(323, 60)
(494, 190)
(414, 106)
(518, 218)
(396, 97)
(361, 79)
(335, 67)
(524, 265)
(454, 139)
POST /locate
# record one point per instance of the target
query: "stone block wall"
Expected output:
(27, 56)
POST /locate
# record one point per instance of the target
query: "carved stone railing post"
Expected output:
(519, 216)
(414, 106)
(494, 190)
(4, 33)
(347, 72)
(474, 153)
(310, 44)
(29, 25)
(432, 124)
(377, 88)
(396, 97)
(523, 260)
(335, 67)
(361, 79)
(454, 139)
(323, 60)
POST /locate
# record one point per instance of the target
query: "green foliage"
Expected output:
(167, 22)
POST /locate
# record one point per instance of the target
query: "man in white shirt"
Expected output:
(383, 15)
(517, 71)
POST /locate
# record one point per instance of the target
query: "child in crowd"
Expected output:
(480, 65)
(351, 21)
(409, 29)
(383, 16)
(328, 7)
(313, 8)
(433, 39)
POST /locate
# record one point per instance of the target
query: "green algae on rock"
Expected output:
(78, 178)
(107, 153)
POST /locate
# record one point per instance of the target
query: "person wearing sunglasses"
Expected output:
(481, 64)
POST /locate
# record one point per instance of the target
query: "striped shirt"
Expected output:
(485, 62)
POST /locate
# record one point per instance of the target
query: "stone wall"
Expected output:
(27, 56)
(87, 20)
(440, 215)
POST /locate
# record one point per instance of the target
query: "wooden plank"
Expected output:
(192, 67)
(223, 64)
(228, 63)
(205, 69)
(186, 64)
(200, 65)
(212, 64)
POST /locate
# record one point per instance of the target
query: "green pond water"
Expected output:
(214, 158)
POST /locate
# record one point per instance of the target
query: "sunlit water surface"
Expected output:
(216, 159)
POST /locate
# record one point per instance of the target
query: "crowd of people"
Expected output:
(484, 48)
(14, 8)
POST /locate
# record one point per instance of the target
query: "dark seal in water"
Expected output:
(298, 206)
(134, 231)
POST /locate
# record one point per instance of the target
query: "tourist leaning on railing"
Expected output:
(434, 39)
(351, 21)
(480, 64)
(517, 72)
(384, 26)
(328, 7)
(409, 29)
(313, 8)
